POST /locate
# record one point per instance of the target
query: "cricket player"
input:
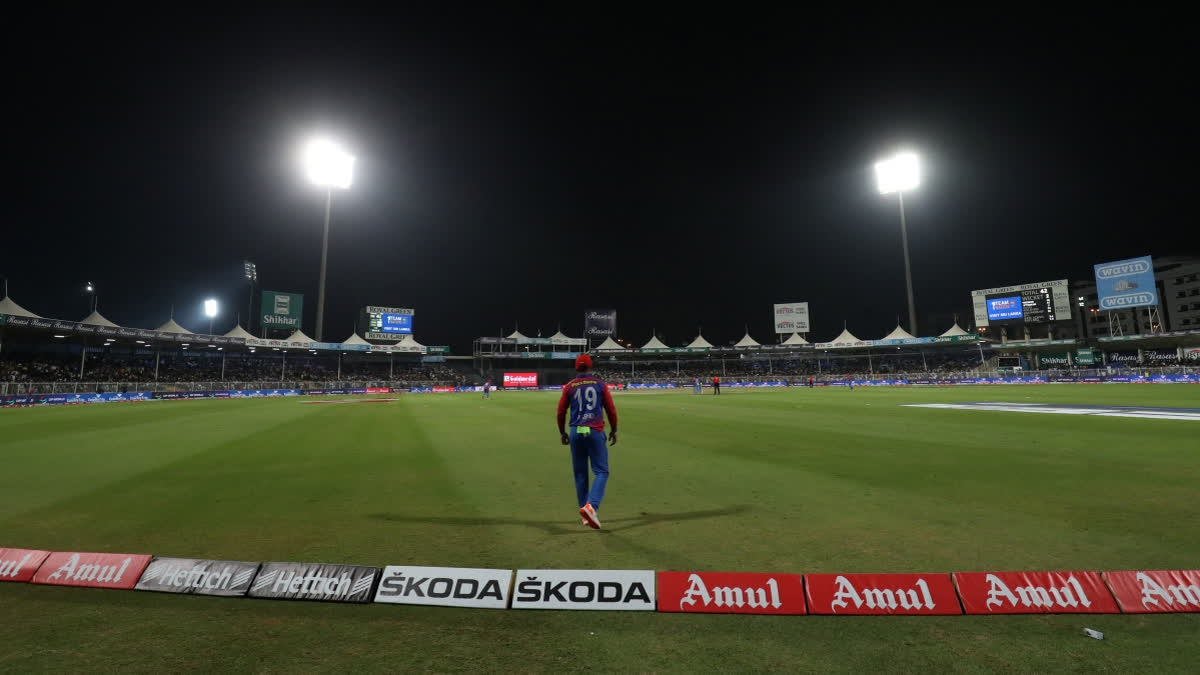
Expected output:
(487, 389)
(696, 384)
(588, 399)
(716, 385)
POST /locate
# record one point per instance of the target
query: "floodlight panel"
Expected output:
(210, 308)
(900, 173)
(328, 165)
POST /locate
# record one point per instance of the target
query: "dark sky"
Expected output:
(682, 169)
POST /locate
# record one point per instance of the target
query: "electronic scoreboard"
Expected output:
(1027, 304)
(387, 323)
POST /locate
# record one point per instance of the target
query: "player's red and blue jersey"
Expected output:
(588, 399)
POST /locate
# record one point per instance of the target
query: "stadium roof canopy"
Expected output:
(610, 344)
(7, 306)
(239, 332)
(516, 334)
(95, 319)
(409, 341)
(898, 334)
(171, 327)
(560, 337)
(747, 341)
(845, 337)
(954, 330)
(700, 342)
(355, 340)
(298, 336)
(795, 339)
(655, 343)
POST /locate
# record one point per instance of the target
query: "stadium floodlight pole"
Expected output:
(91, 290)
(210, 310)
(897, 174)
(328, 166)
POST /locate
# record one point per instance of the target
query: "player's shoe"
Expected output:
(589, 516)
(585, 522)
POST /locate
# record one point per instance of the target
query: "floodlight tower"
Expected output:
(328, 166)
(210, 310)
(897, 174)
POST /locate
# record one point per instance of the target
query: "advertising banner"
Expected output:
(730, 593)
(445, 586)
(881, 594)
(624, 590)
(315, 581)
(599, 324)
(282, 310)
(1034, 593)
(791, 317)
(1126, 283)
(93, 570)
(1144, 592)
(19, 564)
(227, 578)
(517, 380)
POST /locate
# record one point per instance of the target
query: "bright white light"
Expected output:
(901, 173)
(327, 164)
(140, 342)
(60, 336)
(210, 308)
(111, 340)
(90, 287)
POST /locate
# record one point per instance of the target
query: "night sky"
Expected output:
(685, 170)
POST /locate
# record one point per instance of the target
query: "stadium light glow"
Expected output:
(60, 336)
(900, 173)
(328, 164)
(210, 308)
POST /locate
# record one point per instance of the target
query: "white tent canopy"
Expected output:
(239, 332)
(95, 319)
(298, 336)
(795, 339)
(171, 327)
(654, 343)
(355, 340)
(747, 341)
(845, 338)
(699, 342)
(516, 335)
(409, 341)
(609, 344)
(954, 330)
(7, 306)
(898, 334)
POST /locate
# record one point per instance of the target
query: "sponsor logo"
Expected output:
(445, 586)
(520, 379)
(881, 594)
(1127, 300)
(95, 570)
(315, 581)
(786, 324)
(1034, 593)
(630, 590)
(1156, 591)
(1122, 269)
(200, 577)
(783, 310)
(730, 592)
(19, 564)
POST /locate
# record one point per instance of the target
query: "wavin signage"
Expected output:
(1126, 283)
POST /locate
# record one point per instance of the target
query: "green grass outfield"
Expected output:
(801, 480)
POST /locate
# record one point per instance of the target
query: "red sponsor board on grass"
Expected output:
(730, 593)
(1034, 593)
(520, 380)
(19, 564)
(443, 390)
(1146, 591)
(378, 390)
(881, 594)
(95, 570)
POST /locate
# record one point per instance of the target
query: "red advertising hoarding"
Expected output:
(1034, 593)
(730, 593)
(519, 380)
(1145, 591)
(881, 594)
(94, 570)
(19, 564)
